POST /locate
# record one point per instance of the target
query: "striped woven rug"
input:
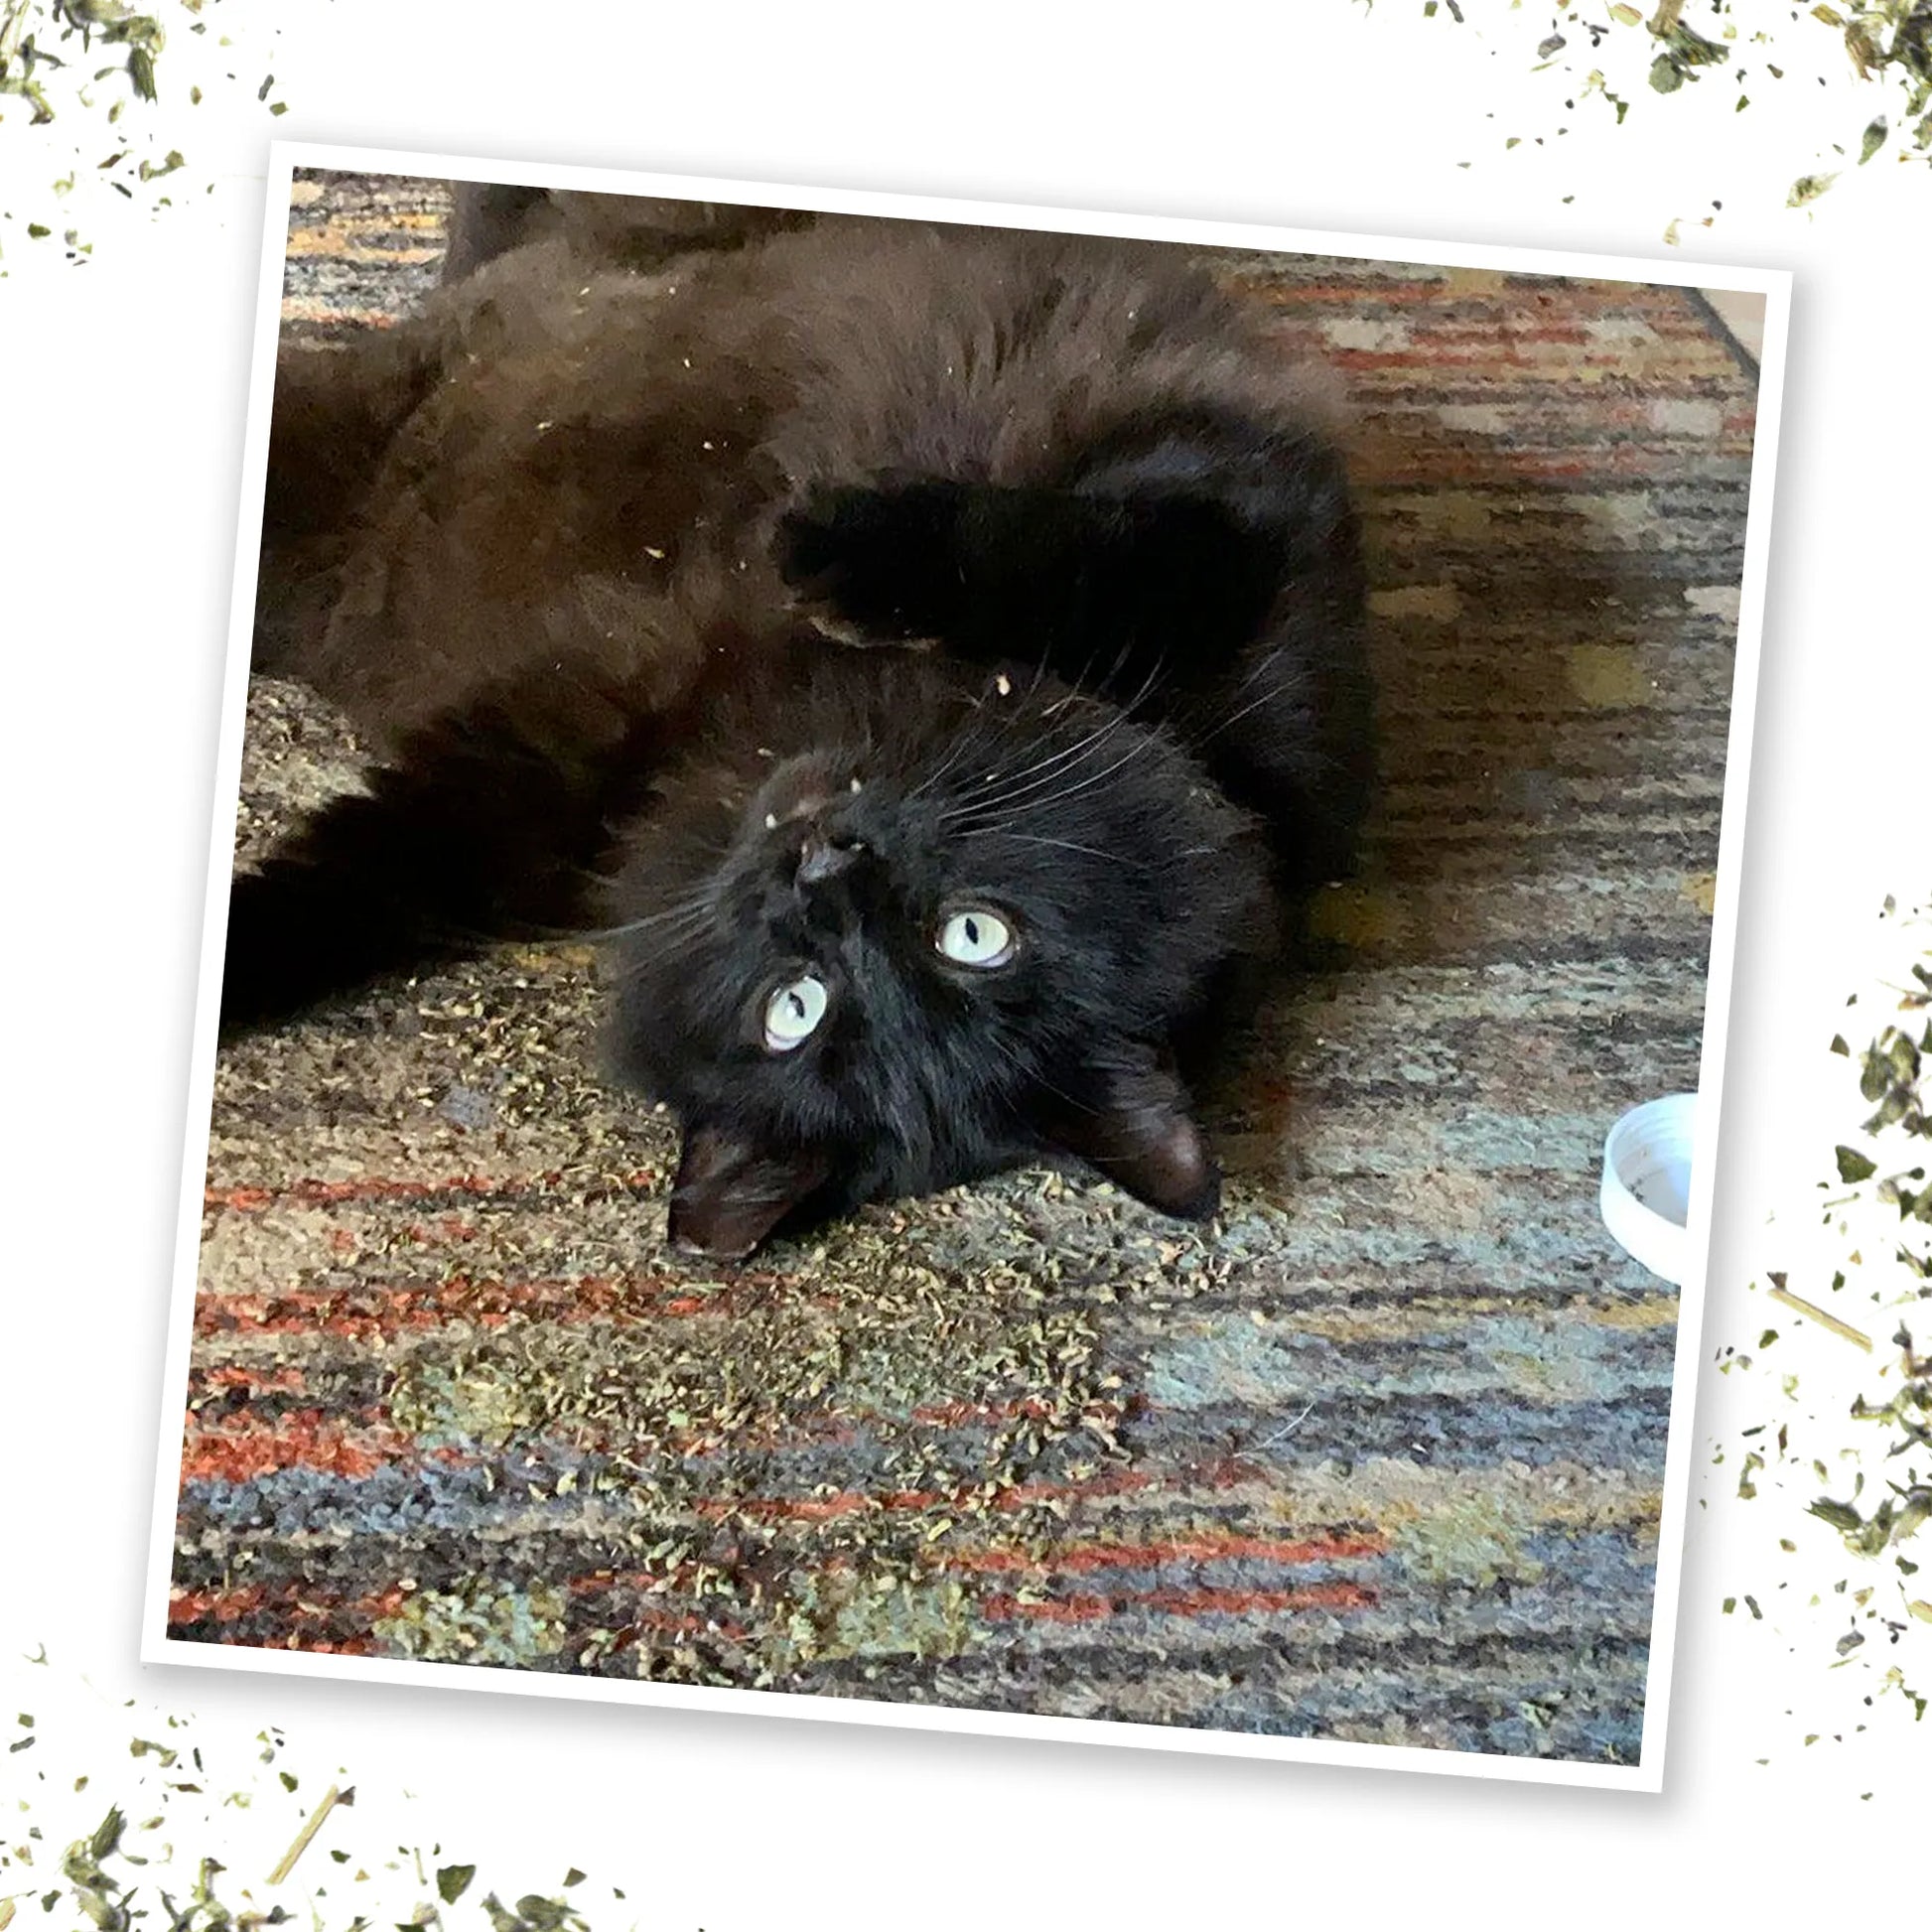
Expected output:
(1377, 1457)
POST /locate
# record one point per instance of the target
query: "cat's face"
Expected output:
(906, 923)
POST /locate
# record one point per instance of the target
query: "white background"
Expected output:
(120, 432)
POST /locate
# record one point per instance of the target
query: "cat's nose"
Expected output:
(820, 858)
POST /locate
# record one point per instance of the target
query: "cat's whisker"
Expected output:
(698, 899)
(1233, 718)
(1035, 1078)
(1041, 773)
(689, 914)
(968, 740)
(986, 723)
(1139, 749)
(1059, 845)
(1016, 786)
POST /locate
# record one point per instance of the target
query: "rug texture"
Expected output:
(1377, 1456)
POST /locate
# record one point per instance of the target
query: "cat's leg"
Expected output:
(1237, 621)
(887, 560)
(1274, 688)
(1105, 592)
(487, 826)
(486, 219)
(630, 230)
(334, 415)
(1290, 732)
(1152, 556)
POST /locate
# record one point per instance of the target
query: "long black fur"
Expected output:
(762, 610)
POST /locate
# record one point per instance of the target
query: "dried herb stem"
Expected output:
(330, 1799)
(1823, 1318)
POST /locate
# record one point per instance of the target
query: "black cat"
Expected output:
(925, 652)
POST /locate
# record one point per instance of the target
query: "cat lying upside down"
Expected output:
(923, 656)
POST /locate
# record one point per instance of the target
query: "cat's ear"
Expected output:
(730, 1194)
(1138, 1132)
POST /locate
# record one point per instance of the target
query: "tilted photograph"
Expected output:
(962, 967)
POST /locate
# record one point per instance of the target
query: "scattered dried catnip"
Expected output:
(77, 66)
(1873, 1484)
(186, 1839)
(1887, 45)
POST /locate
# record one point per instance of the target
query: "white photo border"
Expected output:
(1773, 285)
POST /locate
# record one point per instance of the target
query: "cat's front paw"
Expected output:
(883, 559)
(257, 985)
(289, 945)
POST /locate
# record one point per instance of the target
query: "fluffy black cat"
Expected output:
(923, 653)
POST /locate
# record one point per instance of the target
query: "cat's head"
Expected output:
(906, 923)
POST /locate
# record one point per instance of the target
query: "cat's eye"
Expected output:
(974, 936)
(793, 1012)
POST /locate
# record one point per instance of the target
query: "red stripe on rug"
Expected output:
(316, 317)
(1370, 293)
(277, 1378)
(367, 1312)
(236, 1451)
(1081, 1556)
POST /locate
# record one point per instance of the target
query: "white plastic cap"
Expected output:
(1646, 1193)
